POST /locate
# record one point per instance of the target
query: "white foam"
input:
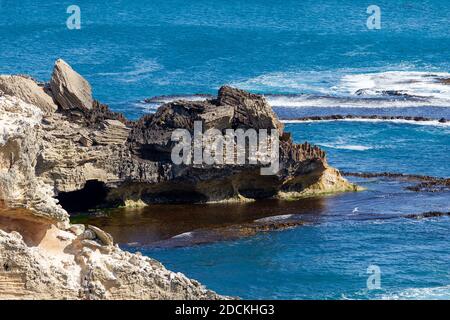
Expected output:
(341, 88)
(188, 97)
(391, 89)
(183, 235)
(307, 100)
(309, 81)
(352, 102)
(135, 72)
(432, 293)
(345, 147)
(419, 84)
(275, 218)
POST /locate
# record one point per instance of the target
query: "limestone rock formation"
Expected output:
(40, 261)
(27, 90)
(130, 161)
(70, 90)
(83, 154)
(20, 146)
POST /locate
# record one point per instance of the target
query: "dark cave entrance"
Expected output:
(92, 196)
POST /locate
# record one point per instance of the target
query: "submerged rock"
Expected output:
(425, 215)
(426, 184)
(367, 117)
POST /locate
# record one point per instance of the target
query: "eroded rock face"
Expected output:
(132, 159)
(29, 91)
(69, 89)
(20, 145)
(250, 110)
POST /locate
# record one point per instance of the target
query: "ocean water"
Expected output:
(319, 51)
(308, 58)
(344, 235)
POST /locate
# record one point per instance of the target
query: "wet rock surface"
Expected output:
(431, 214)
(365, 117)
(230, 232)
(426, 183)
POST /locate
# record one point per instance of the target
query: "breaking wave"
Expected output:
(345, 146)
(432, 293)
(364, 90)
(135, 72)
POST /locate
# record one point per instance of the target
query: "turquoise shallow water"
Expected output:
(308, 58)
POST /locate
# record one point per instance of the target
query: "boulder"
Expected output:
(88, 235)
(29, 91)
(218, 118)
(104, 237)
(70, 89)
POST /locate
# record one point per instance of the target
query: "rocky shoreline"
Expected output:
(426, 183)
(62, 150)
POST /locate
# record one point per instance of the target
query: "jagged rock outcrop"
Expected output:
(69, 89)
(131, 160)
(250, 110)
(85, 154)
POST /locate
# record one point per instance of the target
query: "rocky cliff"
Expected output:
(60, 150)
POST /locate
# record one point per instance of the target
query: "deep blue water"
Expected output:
(326, 261)
(380, 146)
(308, 58)
(134, 50)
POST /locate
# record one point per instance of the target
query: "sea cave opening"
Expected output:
(91, 196)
